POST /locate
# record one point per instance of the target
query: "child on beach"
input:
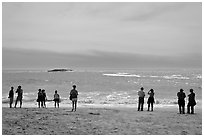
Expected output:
(56, 98)
(73, 97)
(44, 98)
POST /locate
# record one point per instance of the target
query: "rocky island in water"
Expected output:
(59, 70)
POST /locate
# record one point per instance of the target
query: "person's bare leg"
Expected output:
(75, 105)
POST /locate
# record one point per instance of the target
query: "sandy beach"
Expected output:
(99, 121)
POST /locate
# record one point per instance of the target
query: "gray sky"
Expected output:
(102, 32)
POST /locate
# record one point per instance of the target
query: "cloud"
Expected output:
(139, 28)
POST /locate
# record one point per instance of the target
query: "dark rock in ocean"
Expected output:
(59, 70)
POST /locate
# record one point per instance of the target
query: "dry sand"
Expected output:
(99, 121)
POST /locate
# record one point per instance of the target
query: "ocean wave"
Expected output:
(175, 77)
(122, 75)
(199, 76)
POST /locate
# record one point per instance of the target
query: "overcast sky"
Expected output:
(106, 32)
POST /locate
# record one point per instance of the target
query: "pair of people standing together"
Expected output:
(181, 101)
(150, 101)
(41, 98)
(19, 91)
(72, 97)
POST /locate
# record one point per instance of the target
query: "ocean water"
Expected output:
(104, 86)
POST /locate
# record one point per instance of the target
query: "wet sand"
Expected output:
(99, 121)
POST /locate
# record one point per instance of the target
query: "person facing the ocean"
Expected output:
(141, 95)
(150, 99)
(56, 98)
(40, 98)
(73, 97)
(181, 101)
(19, 91)
(191, 102)
(11, 94)
(44, 98)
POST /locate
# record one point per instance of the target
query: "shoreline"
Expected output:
(64, 105)
(100, 121)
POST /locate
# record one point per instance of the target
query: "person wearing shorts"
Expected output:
(73, 97)
(56, 99)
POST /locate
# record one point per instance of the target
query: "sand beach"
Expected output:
(100, 121)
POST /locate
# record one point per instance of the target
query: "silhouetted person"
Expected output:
(40, 98)
(181, 101)
(150, 99)
(191, 102)
(44, 98)
(141, 95)
(11, 95)
(19, 91)
(73, 97)
(56, 98)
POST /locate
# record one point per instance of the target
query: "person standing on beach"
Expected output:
(11, 94)
(56, 98)
(141, 95)
(150, 99)
(73, 97)
(191, 102)
(40, 98)
(19, 91)
(181, 101)
(44, 98)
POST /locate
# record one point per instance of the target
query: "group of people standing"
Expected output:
(181, 101)
(42, 98)
(74, 94)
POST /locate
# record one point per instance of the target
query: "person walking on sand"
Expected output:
(19, 91)
(181, 101)
(150, 99)
(73, 97)
(141, 95)
(191, 102)
(40, 98)
(11, 95)
(44, 98)
(56, 98)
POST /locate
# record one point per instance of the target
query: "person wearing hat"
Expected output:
(141, 95)
(181, 101)
(191, 102)
(73, 97)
